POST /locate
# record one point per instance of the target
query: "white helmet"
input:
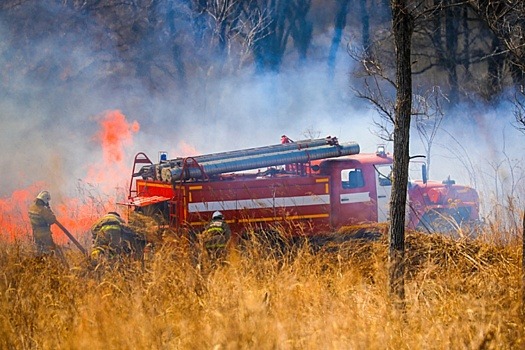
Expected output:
(44, 196)
(217, 215)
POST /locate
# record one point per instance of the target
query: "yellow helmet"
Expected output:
(44, 196)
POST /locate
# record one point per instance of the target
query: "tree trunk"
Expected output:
(466, 42)
(302, 29)
(451, 26)
(339, 26)
(402, 25)
(494, 69)
(365, 21)
(176, 52)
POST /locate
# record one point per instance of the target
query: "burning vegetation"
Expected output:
(322, 292)
(95, 193)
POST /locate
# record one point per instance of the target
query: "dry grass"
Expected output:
(460, 295)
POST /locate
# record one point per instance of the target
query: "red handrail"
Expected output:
(140, 158)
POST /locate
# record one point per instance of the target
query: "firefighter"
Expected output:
(216, 237)
(286, 139)
(112, 238)
(42, 217)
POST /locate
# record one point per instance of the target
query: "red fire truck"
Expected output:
(306, 187)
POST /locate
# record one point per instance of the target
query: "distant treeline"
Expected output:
(461, 46)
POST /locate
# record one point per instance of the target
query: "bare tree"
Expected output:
(225, 25)
(519, 109)
(428, 118)
(402, 28)
(302, 29)
(277, 21)
(507, 20)
(339, 26)
(377, 82)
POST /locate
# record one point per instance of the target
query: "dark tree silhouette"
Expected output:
(402, 28)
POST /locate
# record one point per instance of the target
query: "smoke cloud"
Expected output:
(51, 124)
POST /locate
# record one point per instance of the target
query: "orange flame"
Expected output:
(115, 135)
(186, 149)
(78, 213)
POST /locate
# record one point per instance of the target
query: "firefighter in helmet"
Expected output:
(216, 237)
(42, 217)
(112, 237)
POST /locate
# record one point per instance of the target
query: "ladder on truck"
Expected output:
(140, 158)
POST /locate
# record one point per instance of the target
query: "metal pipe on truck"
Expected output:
(258, 161)
(156, 170)
(262, 150)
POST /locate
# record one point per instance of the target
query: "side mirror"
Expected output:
(424, 173)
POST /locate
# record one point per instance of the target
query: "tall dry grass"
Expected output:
(461, 294)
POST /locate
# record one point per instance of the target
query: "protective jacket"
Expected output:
(111, 236)
(215, 237)
(42, 217)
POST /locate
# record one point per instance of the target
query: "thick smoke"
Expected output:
(50, 122)
(480, 146)
(49, 125)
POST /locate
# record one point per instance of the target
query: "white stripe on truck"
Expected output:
(259, 203)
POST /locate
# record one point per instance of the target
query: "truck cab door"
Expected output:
(384, 190)
(351, 196)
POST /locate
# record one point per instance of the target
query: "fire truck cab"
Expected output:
(360, 188)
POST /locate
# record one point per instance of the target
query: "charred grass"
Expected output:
(329, 293)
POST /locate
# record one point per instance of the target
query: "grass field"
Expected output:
(460, 294)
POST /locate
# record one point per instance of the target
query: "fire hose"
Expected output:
(73, 239)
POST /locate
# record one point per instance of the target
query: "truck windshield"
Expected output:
(384, 174)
